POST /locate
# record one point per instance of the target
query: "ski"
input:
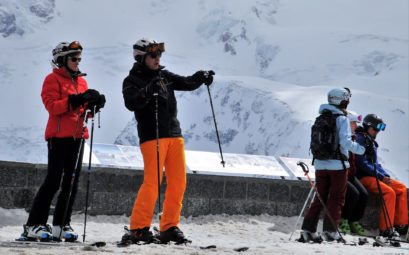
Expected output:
(126, 242)
(384, 241)
(35, 243)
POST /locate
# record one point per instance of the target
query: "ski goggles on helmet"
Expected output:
(349, 91)
(379, 127)
(151, 48)
(155, 47)
(75, 45)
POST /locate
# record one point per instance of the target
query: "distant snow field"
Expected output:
(262, 234)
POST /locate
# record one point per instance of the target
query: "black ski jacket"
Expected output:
(143, 106)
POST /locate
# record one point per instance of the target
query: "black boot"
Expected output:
(173, 234)
(401, 229)
(142, 235)
(390, 233)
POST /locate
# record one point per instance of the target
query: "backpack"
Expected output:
(324, 137)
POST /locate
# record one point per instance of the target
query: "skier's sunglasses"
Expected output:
(75, 59)
(380, 127)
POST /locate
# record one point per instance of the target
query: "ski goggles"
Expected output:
(75, 45)
(155, 47)
(380, 127)
(151, 48)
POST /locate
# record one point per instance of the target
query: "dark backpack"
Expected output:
(324, 137)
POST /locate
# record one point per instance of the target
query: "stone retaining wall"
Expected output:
(112, 192)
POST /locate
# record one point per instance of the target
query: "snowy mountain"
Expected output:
(274, 63)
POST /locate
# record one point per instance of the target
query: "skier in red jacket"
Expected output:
(66, 97)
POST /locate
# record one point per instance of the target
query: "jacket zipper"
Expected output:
(78, 109)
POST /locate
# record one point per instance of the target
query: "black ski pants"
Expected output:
(355, 200)
(62, 156)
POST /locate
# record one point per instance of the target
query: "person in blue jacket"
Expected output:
(395, 221)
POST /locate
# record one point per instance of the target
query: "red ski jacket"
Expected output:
(63, 121)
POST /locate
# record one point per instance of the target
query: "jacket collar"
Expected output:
(138, 68)
(66, 74)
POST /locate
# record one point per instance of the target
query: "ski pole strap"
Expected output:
(304, 167)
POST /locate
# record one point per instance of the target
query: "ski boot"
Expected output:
(173, 234)
(137, 236)
(24, 236)
(309, 237)
(39, 232)
(332, 236)
(67, 233)
(344, 227)
(356, 228)
(401, 229)
(389, 233)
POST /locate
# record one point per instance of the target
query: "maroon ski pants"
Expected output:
(331, 185)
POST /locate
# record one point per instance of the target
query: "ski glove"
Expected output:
(75, 100)
(205, 77)
(153, 87)
(98, 104)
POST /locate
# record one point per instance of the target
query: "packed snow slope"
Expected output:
(263, 235)
(274, 62)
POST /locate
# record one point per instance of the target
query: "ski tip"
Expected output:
(99, 244)
(241, 249)
(208, 247)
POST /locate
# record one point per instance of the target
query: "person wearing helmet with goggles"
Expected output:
(149, 92)
(66, 97)
(393, 219)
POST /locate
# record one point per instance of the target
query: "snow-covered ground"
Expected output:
(275, 60)
(263, 234)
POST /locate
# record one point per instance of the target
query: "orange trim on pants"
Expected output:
(172, 157)
(395, 196)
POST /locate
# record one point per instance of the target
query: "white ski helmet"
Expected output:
(336, 96)
(62, 50)
(145, 45)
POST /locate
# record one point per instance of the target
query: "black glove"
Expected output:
(91, 95)
(205, 77)
(98, 104)
(76, 100)
(153, 87)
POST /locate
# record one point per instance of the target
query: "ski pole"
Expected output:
(306, 170)
(214, 118)
(156, 95)
(382, 201)
(84, 125)
(302, 210)
(89, 170)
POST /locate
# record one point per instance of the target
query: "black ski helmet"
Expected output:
(374, 121)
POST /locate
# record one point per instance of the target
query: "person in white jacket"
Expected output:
(331, 174)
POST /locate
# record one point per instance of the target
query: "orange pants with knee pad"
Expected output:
(395, 197)
(172, 157)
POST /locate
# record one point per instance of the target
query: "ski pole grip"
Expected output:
(303, 166)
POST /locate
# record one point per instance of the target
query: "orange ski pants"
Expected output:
(395, 197)
(172, 157)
